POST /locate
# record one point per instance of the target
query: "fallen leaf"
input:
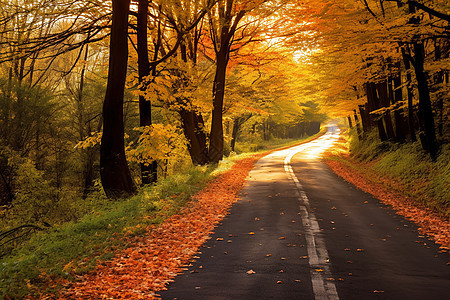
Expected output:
(281, 238)
(251, 233)
(250, 272)
(279, 282)
(319, 270)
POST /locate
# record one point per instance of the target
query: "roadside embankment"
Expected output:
(401, 176)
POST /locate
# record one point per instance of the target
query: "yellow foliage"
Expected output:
(157, 142)
(91, 141)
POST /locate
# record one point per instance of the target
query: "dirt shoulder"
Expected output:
(388, 191)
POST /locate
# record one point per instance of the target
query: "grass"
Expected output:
(407, 168)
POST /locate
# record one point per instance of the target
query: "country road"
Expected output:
(301, 232)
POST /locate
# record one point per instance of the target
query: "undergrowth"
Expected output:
(420, 178)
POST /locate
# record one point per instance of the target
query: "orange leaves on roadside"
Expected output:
(153, 259)
(429, 222)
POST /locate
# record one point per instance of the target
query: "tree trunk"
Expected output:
(237, 123)
(114, 171)
(149, 172)
(193, 128)
(412, 130)
(216, 136)
(382, 89)
(399, 119)
(357, 124)
(425, 109)
(374, 104)
(364, 118)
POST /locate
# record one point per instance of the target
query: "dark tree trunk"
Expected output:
(357, 124)
(228, 25)
(425, 109)
(364, 118)
(349, 119)
(439, 78)
(216, 136)
(114, 171)
(193, 128)
(192, 120)
(401, 126)
(374, 104)
(237, 123)
(412, 130)
(234, 133)
(382, 89)
(149, 171)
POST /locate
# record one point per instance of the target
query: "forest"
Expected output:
(101, 101)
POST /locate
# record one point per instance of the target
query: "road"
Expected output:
(301, 232)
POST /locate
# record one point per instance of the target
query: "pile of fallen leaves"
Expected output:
(154, 258)
(432, 224)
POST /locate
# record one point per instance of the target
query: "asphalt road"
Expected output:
(301, 232)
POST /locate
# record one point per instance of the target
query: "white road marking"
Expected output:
(317, 251)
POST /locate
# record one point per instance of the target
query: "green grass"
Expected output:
(422, 179)
(74, 248)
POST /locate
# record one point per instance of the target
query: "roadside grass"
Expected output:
(405, 168)
(42, 264)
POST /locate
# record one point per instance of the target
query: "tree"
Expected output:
(223, 28)
(149, 171)
(114, 171)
